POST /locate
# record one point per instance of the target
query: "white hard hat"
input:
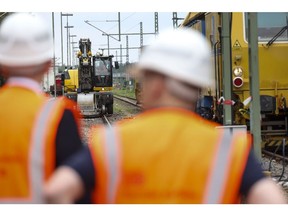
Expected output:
(183, 54)
(25, 40)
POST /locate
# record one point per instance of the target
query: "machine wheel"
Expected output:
(104, 109)
(109, 108)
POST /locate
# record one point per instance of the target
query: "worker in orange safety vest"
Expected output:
(167, 154)
(33, 127)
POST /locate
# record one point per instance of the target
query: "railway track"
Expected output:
(276, 151)
(277, 167)
(128, 100)
(106, 121)
(275, 155)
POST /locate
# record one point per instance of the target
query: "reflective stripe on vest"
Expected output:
(36, 161)
(112, 163)
(216, 183)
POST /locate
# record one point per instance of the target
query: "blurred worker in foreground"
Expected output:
(167, 154)
(36, 133)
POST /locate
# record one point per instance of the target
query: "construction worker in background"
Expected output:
(167, 154)
(37, 134)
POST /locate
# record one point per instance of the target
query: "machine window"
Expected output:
(66, 74)
(269, 25)
(102, 67)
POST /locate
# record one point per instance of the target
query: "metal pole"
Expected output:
(226, 62)
(67, 14)
(62, 40)
(121, 54)
(141, 34)
(72, 52)
(67, 44)
(69, 48)
(255, 124)
(127, 49)
(54, 69)
(156, 23)
(108, 44)
(175, 20)
(119, 26)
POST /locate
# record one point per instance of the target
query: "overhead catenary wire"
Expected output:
(121, 21)
(131, 28)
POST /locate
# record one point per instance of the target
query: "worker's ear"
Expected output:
(3, 71)
(160, 86)
(157, 85)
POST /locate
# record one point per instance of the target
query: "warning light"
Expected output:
(238, 72)
(238, 82)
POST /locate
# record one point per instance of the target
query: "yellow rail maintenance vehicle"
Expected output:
(273, 69)
(91, 84)
(71, 82)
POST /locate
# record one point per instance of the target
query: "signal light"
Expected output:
(238, 82)
(238, 72)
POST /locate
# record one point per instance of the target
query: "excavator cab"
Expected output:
(102, 71)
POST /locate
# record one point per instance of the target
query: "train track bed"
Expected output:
(128, 100)
(277, 168)
(122, 110)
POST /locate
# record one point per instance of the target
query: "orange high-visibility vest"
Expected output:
(167, 155)
(28, 127)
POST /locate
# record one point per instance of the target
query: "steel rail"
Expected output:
(106, 121)
(274, 155)
(128, 100)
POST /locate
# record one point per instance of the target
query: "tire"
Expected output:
(109, 108)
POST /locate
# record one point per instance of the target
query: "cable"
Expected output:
(121, 21)
(132, 28)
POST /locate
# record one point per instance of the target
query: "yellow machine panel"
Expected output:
(273, 68)
(71, 82)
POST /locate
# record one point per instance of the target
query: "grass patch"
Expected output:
(125, 92)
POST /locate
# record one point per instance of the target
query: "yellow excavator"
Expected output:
(91, 84)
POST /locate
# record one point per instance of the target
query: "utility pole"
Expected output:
(61, 39)
(119, 26)
(73, 52)
(71, 43)
(141, 34)
(156, 26)
(121, 54)
(127, 49)
(54, 59)
(255, 124)
(226, 64)
(67, 26)
(175, 20)
(108, 44)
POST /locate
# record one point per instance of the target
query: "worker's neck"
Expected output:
(170, 101)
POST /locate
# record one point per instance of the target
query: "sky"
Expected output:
(107, 22)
